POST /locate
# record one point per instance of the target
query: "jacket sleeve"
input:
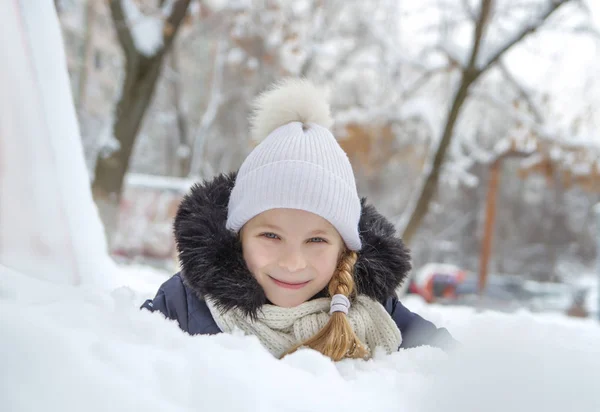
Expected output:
(171, 301)
(417, 331)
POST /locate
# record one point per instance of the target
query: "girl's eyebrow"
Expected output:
(270, 226)
(276, 228)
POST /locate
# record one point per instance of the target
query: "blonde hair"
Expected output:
(337, 339)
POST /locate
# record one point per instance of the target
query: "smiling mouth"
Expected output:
(287, 285)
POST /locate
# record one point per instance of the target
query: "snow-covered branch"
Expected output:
(480, 26)
(148, 34)
(526, 29)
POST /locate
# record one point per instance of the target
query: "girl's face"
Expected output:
(292, 253)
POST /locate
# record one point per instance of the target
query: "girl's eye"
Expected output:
(270, 235)
(317, 240)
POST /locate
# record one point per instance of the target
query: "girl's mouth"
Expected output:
(289, 285)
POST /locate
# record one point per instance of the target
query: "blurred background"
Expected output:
(471, 124)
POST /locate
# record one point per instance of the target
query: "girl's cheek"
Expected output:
(327, 253)
(324, 259)
(250, 255)
(260, 255)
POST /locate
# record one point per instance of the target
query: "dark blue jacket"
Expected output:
(177, 301)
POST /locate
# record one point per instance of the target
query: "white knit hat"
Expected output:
(298, 165)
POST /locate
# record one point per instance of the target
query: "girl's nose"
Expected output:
(292, 261)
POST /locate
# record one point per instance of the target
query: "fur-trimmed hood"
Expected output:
(213, 265)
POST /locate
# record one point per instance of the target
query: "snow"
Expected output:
(301, 7)
(146, 30)
(556, 153)
(502, 147)
(292, 56)
(235, 56)
(195, 9)
(215, 5)
(253, 63)
(532, 160)
(49, 225)
(582, 169)
(84, 348)
(183, 151)
(159, 182)
(140, 280)
(426, 109)
(590, 283)
(107, 142)
(594, 8)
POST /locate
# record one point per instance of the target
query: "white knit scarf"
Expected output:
(279, 329)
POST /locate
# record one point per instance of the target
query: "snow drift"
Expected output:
(68, 348)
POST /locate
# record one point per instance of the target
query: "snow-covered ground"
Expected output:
(67, 348)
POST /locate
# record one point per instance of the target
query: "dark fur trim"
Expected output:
(213, 264)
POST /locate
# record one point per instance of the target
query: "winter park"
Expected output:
(234, 205)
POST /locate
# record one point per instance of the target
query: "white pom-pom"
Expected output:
(289, 100)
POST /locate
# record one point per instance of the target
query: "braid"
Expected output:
(337, 339)
(343, 282)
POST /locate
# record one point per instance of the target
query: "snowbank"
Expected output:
(49, 225)
(78, 348)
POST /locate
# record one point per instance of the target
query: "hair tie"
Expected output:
(339, 303)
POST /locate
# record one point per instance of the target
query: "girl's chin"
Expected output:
(284, 302)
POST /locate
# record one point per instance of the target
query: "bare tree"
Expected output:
(470, 73)
(141, 74)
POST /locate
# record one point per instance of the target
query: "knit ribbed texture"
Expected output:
(298, 166)
(279, 329)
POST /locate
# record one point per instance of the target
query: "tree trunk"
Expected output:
(431, 182)
(110, 170)
(141, 75)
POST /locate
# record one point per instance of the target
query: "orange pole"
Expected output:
(490, 216)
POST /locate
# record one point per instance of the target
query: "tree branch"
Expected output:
(422, 80)
(132, 55)
(453, 59)
(123, 33)
(522, 93)
(525, 30)
(173, 22)
(480, 24)
(468, 10)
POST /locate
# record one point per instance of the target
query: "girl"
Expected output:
(284, 249)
